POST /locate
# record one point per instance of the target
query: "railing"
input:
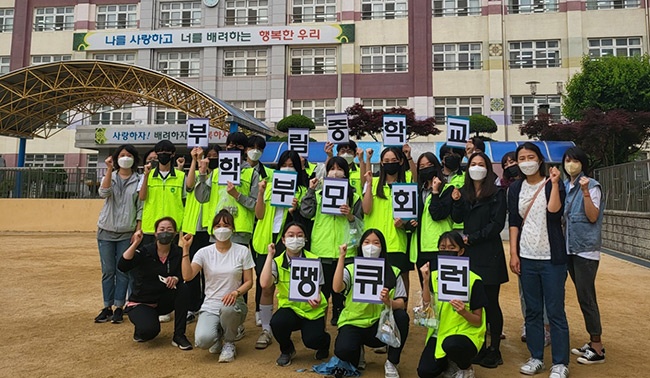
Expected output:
(535, 7)
(6, 28)
(50, 182)
(535, 63)
(612, 4)
(385, 67)
(244, 71)
(246, 20)
(383, 15)
(313, 70)
(626, 187)
(180, 22)
(451, 12)
(297, 18)
(460, 66)
(46, 26)
(120, 24)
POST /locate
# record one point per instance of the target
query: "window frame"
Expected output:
(231, 69)
(532, 6)
(531, 59)
(457, 51)
(614, 47)
(129, 12)
(167, 8)
(529, 106)
(326, 15)
(233, 8)
(327, 65)
(441, 8)
(463, 106)
(252, 107)
(67, 22)
(6, 14)
(193, 63)
(371, 104)
(328, 107)
(38, 59)
(612, 4)
(372, 54)
(383, 9)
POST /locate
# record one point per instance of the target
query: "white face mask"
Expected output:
(336, 174)
(222, 233)
(125, 162)
(254, 155)
(477, 173)
(348, 157)
(294, 244)
(529, 167)
(288, 169)
(370, 250)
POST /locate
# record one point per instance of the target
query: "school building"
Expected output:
(507, 59)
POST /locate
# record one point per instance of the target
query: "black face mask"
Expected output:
(452, 162)
(428, 173)
(391, 168)
(165, 237)
(512, 171)
(164, 159)
(447, 253)
(213, 163)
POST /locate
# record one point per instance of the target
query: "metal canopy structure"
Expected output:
(36, 101)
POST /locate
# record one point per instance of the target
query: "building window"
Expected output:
(316, 61)
(445, 8)
(245, 63)
(117, 16)
(6, 19)
(247, 12)
(180, 14)
(612, 4)
(314, 109)
(116, 57)
(313, 11)
(169, 117)
(456, 56)
(535, 54)
(384, 58)
(523, 108)
(532, 6)
(40, 59)
(383, 104)
(108, 115)
(91, 160)
(614, 46)
(5, 64)
(383, 9)
(44, 160)
(180, 64)
(457, 106)
(256, 109)
(59, 18)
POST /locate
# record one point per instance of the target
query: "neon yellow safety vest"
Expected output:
(330, 231)
(207, 210)
(408, 176)
(382, 219)
(355, 180)
(452, 323)
(302, 309)
(430, 230)
(309, 169)
(360, 314)
(164, 199)
(245, 217)
(457, 180)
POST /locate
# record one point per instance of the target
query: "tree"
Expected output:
(479, 123)
(364, 122)
(297, 121)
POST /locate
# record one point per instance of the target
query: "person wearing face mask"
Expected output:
(511, 171)
(228, 270)
(119, 220)
(162, 191)
(481, 206)
(157, 286)
(583, 214)
(330, 231)
(461, 328)
(348, 151)
(451, 158)
(256, 145)
(270, 222)
(538, 256)
(359, 321)
(308, 317)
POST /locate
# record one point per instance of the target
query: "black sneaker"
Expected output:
(492, 358)
(104, 315)
(480, 356)
(335, 318)
(592, 357)
(181, 342)
(190, 317)
(118, 316)
(285, 358)
(322, 354)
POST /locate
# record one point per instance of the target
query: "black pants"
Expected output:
(145, 318)
(314, 336)
(338, 300)
(196, 285)
(459, 348)
(494, 315)
(351, 338)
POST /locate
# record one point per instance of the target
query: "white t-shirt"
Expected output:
(223, 272)
(534, 243)
(594, 193)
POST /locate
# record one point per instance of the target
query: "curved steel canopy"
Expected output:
(32, 99)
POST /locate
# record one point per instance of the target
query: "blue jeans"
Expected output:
(115, 283)
(543, 286)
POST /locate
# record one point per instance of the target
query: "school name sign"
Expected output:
(214, 37)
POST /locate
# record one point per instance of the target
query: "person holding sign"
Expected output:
(270, 222)
(254, 151)
(306, 314)
(348, 151)
(481, 206)
(228, 270)
(451, 157)
(331, 230)
(461, 326)
(359, 321)
(378, 209)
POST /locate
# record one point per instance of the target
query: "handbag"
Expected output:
(387, 331)
(533, 201)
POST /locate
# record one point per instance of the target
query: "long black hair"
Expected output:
(390, 280)
(488, 186)
(303, 179)
(434, 163)
(341, 163)
(401, 174)
(533, 147)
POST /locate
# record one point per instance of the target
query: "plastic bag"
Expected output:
(355, 230)
(425, 316)
(387, 331)
(226, 201)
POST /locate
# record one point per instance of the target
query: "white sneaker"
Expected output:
(264, 340)
(390, 370)
(241, 332)
(451, 371)
(165, 318)
(228, 353)
(467, 373)
(532, 367)
(258, 319)
(559, 371)
(362, 359)
(216, 347)
(581, 351)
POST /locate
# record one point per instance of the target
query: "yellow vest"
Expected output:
(330, 231)
(382, 219)
(164, 199)
(245, 217)
(457, 180)
(302, 309)
(355, 181)
(429, 231)
(207, 210)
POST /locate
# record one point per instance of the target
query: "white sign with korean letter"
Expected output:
(405, 201)
(198, 132)
(337, 128)
(284, 188)
(334, 195)
(305, 279)
(229, 167)
(299, 141)
(457, 131)
(394, 130)
(453, 278)
(368, 280)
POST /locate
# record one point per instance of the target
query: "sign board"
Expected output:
(457, 131)
(405, 201)
(337, 128)
(283, 189)
(298, 141)
(305, 279)
(229, 167)
(394, 130)
(177, 134)
(198, 132)
(453, 278)
(368, 280)
(334, 195)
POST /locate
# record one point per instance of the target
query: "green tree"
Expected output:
(364, 122)
(479, 123)
(297, 121)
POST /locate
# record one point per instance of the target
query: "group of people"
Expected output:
(182, 243)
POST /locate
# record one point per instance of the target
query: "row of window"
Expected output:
(254, 12)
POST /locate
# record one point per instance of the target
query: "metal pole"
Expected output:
(22, 146)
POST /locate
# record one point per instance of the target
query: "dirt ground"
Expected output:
(50, 291)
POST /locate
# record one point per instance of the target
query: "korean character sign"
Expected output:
(334, 195)
(405, 201)
(457, 131)
(368, 280)
(299, 141)
(453, 278)
(304, 281)
(229, 167)
(284, 188)
(198, 132)
(337, 128)
(394, 130)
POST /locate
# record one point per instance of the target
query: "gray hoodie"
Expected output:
(122, 208)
